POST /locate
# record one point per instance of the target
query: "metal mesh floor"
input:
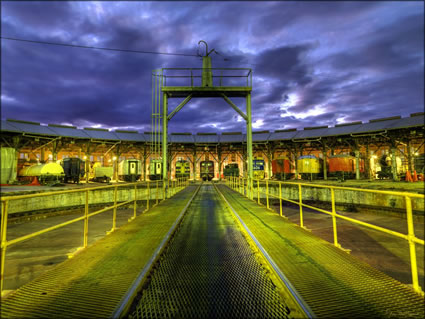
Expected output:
(209, 270)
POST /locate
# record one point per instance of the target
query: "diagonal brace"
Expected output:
(234, 107)
(179, 107)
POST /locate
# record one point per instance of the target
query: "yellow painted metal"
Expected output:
(280, 199)
(4, 214)
(86, 221)
(411, 235)
(334, 218)
(149, 197)
(300, 198)
(157, 192)
(258, 191)
(267, 193)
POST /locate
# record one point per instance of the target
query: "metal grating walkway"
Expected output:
(209, 271)
(333, 283)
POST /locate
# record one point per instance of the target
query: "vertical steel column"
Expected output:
(249, 145)
(325, 168)
(394, 164)
(164, 143)
(148, 197)
(357, 153)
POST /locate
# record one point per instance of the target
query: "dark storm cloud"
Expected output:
(314, 63)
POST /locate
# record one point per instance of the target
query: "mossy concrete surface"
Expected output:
(333, 283)
(92, 283)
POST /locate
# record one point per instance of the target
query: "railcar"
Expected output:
(207, 170)
(258, 168)
(45, 173)
(231, 169)
(101, 174)
(74, 169)
(309, 167)
(130, 170)
(283, 168)
(182, 169)
(344, 166)
(155, 169)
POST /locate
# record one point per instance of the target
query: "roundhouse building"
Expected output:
(402, 138)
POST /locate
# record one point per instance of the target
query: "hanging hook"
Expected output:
(206, 48)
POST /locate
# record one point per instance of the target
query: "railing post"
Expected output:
(258, 191)
(86, 221)
(267, 193)
(114, 217)
(149, 196)
(300, 196)
(334, 217)
(157, 192)
(411, 236)
(135, 201)
(4, 214)
(280, 198)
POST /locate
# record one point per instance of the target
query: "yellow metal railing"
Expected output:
(239, 184)
(173, 187)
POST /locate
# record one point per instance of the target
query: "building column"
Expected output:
(357, 153)
(394, 163)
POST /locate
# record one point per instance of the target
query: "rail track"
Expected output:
(212, 268)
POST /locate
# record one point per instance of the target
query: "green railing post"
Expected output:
(334, 218)
(149, 196)
(157, 192)
(280, 199)
(114, 217)
(300, 196)
(412, 248)
(86, 221)
(4, 214)
(258, 191)
(135, 201)
(267, 194)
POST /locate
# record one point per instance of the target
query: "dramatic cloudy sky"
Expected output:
(314, 63)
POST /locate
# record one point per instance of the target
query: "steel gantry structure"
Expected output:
(205, 82)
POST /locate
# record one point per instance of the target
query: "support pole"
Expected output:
(249, 144)
(357, 153)
(394, 164)
(164, 143)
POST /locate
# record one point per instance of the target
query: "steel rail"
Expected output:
(277, 270)
(126, 301)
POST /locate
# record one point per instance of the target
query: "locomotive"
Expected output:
(74, 169)
(182, 169)
(130, 170)
(207, 170)
(258, 168)
(344, 166)
(231, 170)
(283, 168)
(309, 167)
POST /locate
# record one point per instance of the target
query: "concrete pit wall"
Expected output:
(344, 199)
(103, 197)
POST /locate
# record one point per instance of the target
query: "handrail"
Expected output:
(174, 187)
(235, 183)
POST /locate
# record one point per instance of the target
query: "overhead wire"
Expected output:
(98, 48)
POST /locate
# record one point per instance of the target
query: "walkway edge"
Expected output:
(126, 301)
(277, 270)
